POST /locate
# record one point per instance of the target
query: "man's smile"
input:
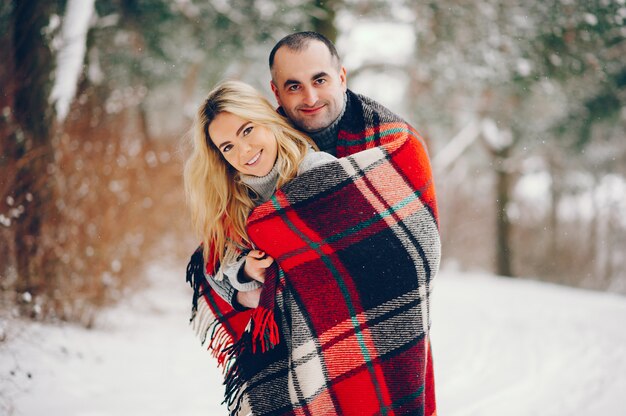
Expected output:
(312, 110)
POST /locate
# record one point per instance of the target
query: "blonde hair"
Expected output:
(219, 202)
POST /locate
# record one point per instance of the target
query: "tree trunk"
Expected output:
(556, 172)
(30, 144)
(325, 22)
(503, 226)
(500, 147)
(144, 123)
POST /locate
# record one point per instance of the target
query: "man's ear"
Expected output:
(275, 91)
(343, 77)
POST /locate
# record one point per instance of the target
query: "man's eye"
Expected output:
(292, 88)
(320, 81)
(247, 131)
(227, 148)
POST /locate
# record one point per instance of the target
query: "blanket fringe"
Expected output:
(221, 346)
(265, 332)
(204, 323)
(262, 332)
(219, 343)
(195, 278)
(234, 380)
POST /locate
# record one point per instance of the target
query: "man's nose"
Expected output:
(310, 96)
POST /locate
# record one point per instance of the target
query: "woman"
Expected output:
(242, 151)
(345, 305)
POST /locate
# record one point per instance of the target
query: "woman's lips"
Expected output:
(255, 159)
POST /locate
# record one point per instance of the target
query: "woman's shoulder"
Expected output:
(313, 159)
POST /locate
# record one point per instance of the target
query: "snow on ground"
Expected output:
(516, 347)
(501, 346)
(142, 359)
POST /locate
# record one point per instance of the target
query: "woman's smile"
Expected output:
(255, 159)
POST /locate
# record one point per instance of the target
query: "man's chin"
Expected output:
(312, 127)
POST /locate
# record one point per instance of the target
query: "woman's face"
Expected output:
(248, 147)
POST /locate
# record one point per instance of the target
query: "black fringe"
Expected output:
(244, 365)
(195, 278)
(235, 378)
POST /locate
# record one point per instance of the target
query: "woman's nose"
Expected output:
(245, 147)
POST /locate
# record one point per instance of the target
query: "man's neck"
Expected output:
(326, 139)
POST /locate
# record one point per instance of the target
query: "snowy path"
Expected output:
(142, 360)
(502, 347)
(512, 347)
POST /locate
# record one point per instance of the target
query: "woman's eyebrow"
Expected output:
(223, 144)
(242, 127)
(239, 130)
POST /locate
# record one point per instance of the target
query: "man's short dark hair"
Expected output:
(300, 40)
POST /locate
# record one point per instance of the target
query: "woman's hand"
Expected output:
(249, 299)
(256, 263)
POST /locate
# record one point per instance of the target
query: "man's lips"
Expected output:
(311, 110)
(254, 159)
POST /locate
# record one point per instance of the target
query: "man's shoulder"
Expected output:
(373, 109)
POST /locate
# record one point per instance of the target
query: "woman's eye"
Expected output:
(227, 148)
(247, 131)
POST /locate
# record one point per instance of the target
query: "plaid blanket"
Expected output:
(342, 326)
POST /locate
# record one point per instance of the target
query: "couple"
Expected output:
(320, 241)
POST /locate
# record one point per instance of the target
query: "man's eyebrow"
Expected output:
(319, 75)
(290, 82)
(296, 82)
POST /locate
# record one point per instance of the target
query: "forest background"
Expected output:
(522, 104)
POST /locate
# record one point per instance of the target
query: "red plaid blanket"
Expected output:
(344, 315)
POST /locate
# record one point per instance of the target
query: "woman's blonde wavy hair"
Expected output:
(219, 202)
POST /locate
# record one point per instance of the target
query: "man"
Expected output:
(310, 86)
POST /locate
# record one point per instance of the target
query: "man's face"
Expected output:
(309, 86)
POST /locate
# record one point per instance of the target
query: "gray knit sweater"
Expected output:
(264, 188)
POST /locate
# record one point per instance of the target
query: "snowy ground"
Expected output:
(142, 359)
(512, 347)
(502, 347)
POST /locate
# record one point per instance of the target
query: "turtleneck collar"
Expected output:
(263, 186)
